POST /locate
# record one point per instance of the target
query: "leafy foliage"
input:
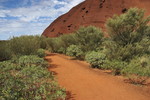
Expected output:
(138, 70)
(32, 60)
(125, 53)
(96, 59)
(18, 82)
(128, 28)
(67, 40)
(62, 50)
(41, 53)
(139, 66)
(24, 45)
(115, 65)
(129, 35)
(5, 52)
(89, 38)
(74, 51)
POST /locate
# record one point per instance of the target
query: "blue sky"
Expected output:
(30, 17)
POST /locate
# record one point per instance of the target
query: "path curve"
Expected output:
(85, 83)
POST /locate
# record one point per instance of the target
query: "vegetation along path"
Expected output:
(85, 83)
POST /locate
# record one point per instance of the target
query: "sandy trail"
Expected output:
(85, 83)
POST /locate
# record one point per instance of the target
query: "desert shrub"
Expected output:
(110, 48)
(5, 52)
(115, 65)
(138, 70)
(74, 51)
(9, 66)
(62, 50)
(96, 59)
(43, 42)
(50, 44)
(129, 35)
(54, 44)
(125, 53)
(89, 38)
(60, 44)
(24, 45)
(41, 53)
(28, 83)
(145, 45)
(32, 60)
(128, 28)
(68, 39)
(129, 51)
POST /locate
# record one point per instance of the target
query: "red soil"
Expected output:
(85, 83)
(92, 12)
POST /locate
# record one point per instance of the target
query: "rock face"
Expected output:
(92, 12)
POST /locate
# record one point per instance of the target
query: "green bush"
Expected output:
(54, 44)
(68, 39)
(138, 66)
(89, 38)
(96, 59)
(138, 70)
(127, 52)
(74, 51)
(24, 45)
(28, 83)
(115, 65)
(5, 52)
(43, 42)
(32, 60)
(41, 53)
(61, 50)
(144, 44)
(63, 42)
(129, 35)
(128, 28)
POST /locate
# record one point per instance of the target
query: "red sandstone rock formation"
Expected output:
(92, 12)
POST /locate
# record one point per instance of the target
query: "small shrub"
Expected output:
(6, 66)
(89, 38)
(43, 42)
(138, 70)
(41, 53)
(32, 60)
(74, 51)
(129, 27)
(115, 65)
(5, 52)
(24, 45)
(61, 50)
(55, 44)
(124, 53)
(28, 83)
(67, 40)
(96, 59)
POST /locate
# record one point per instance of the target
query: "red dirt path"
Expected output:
(85, 83)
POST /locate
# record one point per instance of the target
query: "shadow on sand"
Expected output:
(69, 96)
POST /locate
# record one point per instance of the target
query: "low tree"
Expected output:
(129, 35)
(89, 37)
(128, 28)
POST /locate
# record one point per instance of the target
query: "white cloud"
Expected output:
(41, 13)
